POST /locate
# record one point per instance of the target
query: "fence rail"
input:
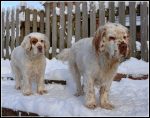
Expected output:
(72, 19)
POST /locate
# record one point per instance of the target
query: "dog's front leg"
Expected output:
(90, 93)
(40, 85)
(27, 85)
(104, 102)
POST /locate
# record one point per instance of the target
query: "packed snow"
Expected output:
(130, 97)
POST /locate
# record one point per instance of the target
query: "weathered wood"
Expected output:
(84, 20)
(12, 30)
(7, 33)
(122, 13)
(132, 17)
(47, 8)
(34, 20)
(69, 28)
(11, 112)
(101, 13)
(61, 28)
(92, 18)
(41, 14)
(54, 33)
(77, 21)
(17, 28)
(144, 30)
(3, 33)
(111, 12)
(27, 21)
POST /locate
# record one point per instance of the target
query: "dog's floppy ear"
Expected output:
(46, 43)
(98, 38)
(26, 44)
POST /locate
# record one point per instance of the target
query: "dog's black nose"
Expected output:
(123, 48)
(39, 48)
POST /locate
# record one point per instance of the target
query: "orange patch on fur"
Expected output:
(33, 40)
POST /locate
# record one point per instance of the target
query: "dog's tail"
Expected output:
(64, 55)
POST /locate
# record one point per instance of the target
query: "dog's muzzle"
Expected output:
(123, 49)
(39, 48)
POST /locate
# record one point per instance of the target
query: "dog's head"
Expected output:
(36, 43)
(112, 39)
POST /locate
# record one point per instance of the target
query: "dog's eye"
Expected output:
(42, 41)
(124, 37)
(112, 38)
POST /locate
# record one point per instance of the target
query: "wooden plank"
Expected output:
(17, 28)
(54, 33)
(122, 13)
(7, 33)
(3, 33)
(101, 13)
(92, 18)
(12, 30)
(144, 30)
(47, 9)
(84, 20)
(27, 21)
(41, 14)
(34, 20)
(62, 30)
(132, 16)
(69, 28)
(111, 12)
(77, 21)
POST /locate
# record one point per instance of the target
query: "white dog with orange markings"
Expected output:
(28, 62)
(97, 59)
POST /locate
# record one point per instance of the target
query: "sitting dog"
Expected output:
(28, 62)
(97, 59)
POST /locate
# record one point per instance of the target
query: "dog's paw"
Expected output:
(91, 105)
(79, 93)
(17, 87)
(27, 93)
(107, 106)
(41, 92)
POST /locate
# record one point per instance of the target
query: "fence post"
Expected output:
(17, 27)
(54, 33)
(111, 12)
(92, 18)
(101, 13)
(7, 33)
(47, 9)
(34, 20)
(122, 13)
(12, 29)
(3, 33)
(132, 17)
(42, 23)
(27, 21)
(61, 37)
(144, 29)
(69, 28)
(77, 21)
(84, 20)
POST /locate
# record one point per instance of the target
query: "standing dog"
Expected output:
(97, 60)
(28, 62)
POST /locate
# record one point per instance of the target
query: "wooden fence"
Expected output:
(79, 23)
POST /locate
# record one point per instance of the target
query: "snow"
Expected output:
(130, 97)
(138, 46)
(134, 66)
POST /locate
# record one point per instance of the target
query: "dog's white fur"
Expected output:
(28, 62)
(97, 59)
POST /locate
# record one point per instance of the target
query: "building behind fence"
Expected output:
(71, 21)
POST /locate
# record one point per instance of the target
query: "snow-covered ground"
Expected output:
(130, 97)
